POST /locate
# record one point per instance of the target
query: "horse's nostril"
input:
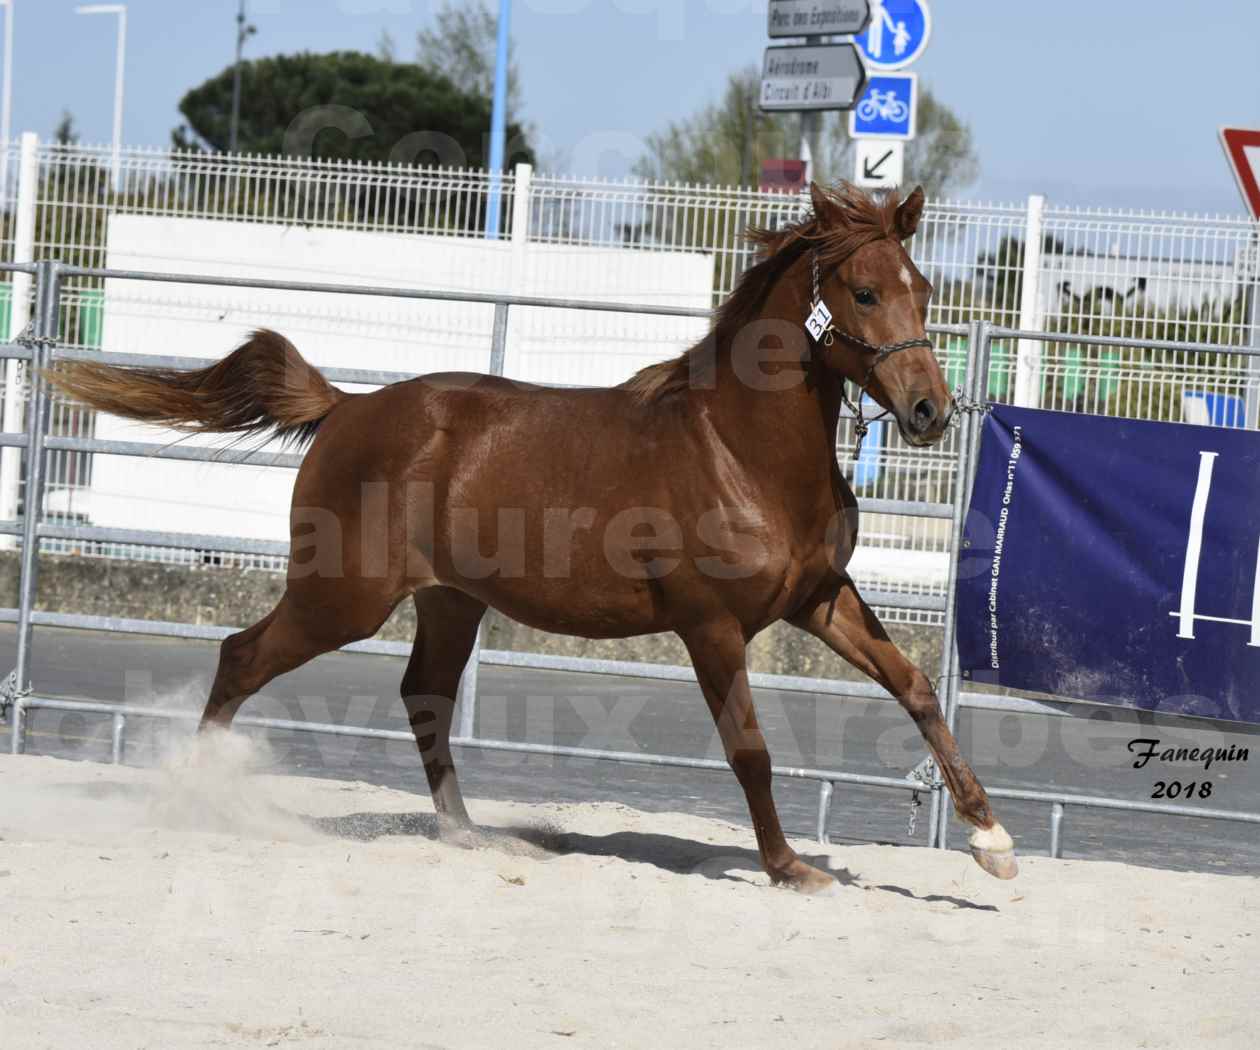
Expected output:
(924, 414)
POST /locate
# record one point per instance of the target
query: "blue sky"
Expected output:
(1110, 102)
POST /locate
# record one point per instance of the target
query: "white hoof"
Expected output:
(994, 851)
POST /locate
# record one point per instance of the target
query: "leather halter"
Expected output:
(828, 337)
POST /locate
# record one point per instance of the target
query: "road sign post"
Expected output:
(883, 119)
(825, 76)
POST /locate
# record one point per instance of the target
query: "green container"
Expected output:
(999, 367)
(91, 317)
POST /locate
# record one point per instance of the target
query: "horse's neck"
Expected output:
(787, 411)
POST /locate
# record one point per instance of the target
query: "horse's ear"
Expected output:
(823, 208)
(908, 213)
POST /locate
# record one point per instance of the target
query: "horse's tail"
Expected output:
(265, 385)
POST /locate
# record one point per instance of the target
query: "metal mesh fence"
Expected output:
(1181, 278)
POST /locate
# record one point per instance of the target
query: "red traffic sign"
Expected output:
(782, 175)
(1242, 148)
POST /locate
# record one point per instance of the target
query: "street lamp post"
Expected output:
(121, 11)
(6, 102)
(243, 32)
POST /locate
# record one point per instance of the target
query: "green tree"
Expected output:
(385, 47)
(725, 143)
(65, 133)
(462, 44)
(999, 274)
(346, 105)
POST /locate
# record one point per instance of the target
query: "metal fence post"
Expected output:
(17, 726)
(949, 683)
(47, 313)
(498, 339)
(117, 730)
(521, 188)
(1251, 297)
(19, 314)
(825, 790)
(1056, 829)
(976, 386)
(1028, 356)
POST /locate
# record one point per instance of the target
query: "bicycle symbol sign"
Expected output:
(887, 107)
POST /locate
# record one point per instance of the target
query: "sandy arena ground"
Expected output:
(206, 905)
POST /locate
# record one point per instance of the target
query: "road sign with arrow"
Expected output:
(880, 163)
(816, 76)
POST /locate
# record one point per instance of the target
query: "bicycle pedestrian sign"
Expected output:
(887, 107)
(896, 34)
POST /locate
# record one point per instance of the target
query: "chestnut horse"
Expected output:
(701, 497)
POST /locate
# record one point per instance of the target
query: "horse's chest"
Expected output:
(794, 568)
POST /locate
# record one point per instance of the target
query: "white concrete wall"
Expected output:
(565, 346)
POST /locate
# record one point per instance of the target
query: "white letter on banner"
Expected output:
(1194, 545)
(1255, 604)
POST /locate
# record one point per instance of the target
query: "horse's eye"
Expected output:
(864, 297)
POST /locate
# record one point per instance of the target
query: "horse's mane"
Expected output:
(852, 220)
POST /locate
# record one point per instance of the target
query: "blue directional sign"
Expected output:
(886, 109)
(896, 35)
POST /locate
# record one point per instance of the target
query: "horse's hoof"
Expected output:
(1002, 864)
(994, 851)
(810, 881)
(461, 836)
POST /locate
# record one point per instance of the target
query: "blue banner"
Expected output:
(1115, 560)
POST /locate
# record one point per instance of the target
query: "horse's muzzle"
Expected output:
(926, 421)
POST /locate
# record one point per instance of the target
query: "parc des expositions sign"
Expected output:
(816, 17)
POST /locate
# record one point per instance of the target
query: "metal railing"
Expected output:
(42, 349)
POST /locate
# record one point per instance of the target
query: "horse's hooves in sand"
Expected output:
(994, 851)
(462, 836)
(812, 882)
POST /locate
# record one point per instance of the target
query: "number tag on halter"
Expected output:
(819, 320)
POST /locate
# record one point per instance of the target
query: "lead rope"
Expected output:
(823, 331)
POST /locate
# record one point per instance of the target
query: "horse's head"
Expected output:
(878, 302)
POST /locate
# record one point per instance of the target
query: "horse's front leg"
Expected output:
(838, 615)
(718, 654)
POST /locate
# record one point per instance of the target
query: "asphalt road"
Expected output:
(1084, 755)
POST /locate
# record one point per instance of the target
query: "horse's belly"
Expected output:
(603, 610)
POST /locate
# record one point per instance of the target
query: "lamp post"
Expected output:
(243, 32)
(6, 101)
(121, 11)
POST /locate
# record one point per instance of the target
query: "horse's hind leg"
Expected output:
(287, 637)
(839, 616)
(446, 631)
